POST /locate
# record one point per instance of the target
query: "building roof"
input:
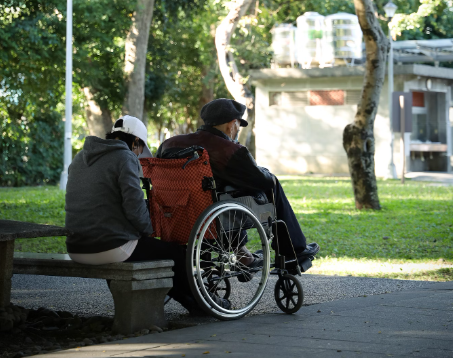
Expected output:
(258, 76)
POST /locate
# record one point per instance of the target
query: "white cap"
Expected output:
(134, 126)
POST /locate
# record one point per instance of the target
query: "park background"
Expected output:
(410, 237)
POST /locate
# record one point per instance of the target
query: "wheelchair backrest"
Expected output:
(181, 191)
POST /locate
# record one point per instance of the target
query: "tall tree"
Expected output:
(358, 137)
(234, 81)
(135, 58)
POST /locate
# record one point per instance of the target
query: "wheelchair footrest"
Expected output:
(305, 265)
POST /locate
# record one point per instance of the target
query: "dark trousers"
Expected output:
(296, 238)
(285, 213)
(149, 248)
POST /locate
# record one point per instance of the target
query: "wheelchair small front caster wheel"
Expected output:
(288, 294)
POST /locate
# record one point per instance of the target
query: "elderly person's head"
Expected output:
(225, 115)
(132, 131)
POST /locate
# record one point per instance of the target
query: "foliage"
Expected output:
(30, 68)
(32, 72)
(428, 19)
(31, 150)
(181, 59)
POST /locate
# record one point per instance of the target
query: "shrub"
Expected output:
(31, 150)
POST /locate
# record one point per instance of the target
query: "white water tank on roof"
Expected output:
(283, 44)
(309, 39)
(343, 38)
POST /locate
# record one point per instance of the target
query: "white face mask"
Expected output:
(237, 133)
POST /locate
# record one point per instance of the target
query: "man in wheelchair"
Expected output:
(233, 165)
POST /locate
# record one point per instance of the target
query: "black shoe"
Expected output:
(305, 257)
(197, 311)
(247, 276)
(311, 250)
(185, 300)
(222, 302)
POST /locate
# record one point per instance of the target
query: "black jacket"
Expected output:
(231, 163)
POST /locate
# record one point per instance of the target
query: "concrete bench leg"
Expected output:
(139, 304)
(6, 271)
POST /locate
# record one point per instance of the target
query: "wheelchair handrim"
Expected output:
(265, 270)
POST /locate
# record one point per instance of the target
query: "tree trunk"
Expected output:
(135, 58)
(234, 82)
(358, 137)
(207, 92)
(99, 120)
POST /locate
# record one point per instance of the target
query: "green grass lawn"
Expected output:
(415, 225)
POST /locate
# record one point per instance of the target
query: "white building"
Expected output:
(301, 114)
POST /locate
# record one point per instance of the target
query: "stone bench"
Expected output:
(138, 288)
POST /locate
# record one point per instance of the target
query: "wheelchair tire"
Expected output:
(288, 299)
(212, 246)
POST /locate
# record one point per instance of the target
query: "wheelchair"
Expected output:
(214, 223)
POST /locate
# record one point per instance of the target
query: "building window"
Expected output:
(326, 98)
(314, 98)
(294, 99)
(288, 99)
(418, 99)
(352, 96)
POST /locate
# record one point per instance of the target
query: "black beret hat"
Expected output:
(221, 111)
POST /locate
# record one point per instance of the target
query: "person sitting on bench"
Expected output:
(232, 164)
(106, 210)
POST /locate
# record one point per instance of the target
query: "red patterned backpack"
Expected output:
(181, 191)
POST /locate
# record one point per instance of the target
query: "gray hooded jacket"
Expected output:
(105, 206)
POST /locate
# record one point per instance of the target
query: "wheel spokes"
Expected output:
(220, 245)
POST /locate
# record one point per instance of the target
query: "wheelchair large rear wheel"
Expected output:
(213, 247)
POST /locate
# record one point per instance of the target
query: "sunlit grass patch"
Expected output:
(42, 205)
(429, 270)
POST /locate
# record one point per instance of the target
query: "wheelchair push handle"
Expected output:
(186, 152)
(194, 157)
